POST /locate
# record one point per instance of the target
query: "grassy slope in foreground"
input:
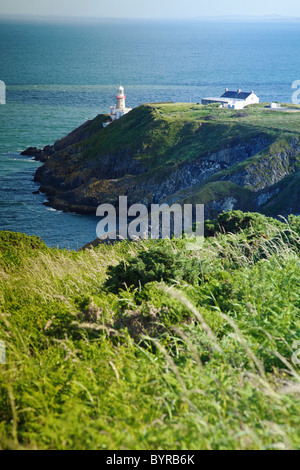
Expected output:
(93, 363)
(149, 155)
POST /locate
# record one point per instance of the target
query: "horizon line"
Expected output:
(268, 17)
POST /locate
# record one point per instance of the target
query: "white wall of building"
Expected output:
(252, 99)
(232, 103)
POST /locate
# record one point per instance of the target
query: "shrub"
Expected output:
(159, 263)
(16, 247)
(236, 221)
(168, 310)
(294, 222)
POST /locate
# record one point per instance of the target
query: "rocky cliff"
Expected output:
(178, 153)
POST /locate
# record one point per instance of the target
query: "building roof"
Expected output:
(213, 98)
(236, 95)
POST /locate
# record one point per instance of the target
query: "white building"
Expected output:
(275, 105)
(120, 109)
(233, 99)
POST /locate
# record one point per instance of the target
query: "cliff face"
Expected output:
(187, 175)
(270, 168)
(176, 153)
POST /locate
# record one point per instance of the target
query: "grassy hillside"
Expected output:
(150, 346)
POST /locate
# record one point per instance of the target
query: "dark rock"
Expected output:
(48, 150)
(211, 118)
(32, 152)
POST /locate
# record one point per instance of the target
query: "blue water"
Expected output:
(59, 75)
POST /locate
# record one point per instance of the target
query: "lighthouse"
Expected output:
(121, 98)
(120, 109)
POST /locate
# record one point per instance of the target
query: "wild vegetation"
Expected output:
(146, 345)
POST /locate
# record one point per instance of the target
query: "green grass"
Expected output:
(170, 133)
(93, 363)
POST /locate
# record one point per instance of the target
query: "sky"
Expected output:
(149, 8)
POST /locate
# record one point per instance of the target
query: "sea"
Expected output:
(58, 74)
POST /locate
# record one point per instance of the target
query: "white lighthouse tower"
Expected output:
(121, 98)
(120, 109)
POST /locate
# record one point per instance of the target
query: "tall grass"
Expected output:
(218, 376)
